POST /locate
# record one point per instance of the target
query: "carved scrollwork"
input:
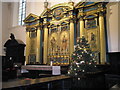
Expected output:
(58, 13)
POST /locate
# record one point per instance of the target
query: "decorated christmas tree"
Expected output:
(83, 60)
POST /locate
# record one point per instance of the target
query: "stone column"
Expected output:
(102, 39)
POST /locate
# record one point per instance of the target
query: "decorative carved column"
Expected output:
(45, 44)
(27, 46)
(38, 45)
(71, 36)
(102, 39)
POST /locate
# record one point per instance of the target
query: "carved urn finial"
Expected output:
(46, 4)
(71, 2)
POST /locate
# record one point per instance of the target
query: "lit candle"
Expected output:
(51, 63)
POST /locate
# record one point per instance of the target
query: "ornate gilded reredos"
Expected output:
(58, 25)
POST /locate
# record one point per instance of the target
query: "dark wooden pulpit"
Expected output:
(14, 57)
(15, 50)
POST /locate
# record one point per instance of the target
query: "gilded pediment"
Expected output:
(57, 11)
(31, 18)
(85, 4)
(80, 4)
(89, 3)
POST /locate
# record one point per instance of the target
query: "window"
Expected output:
(22, 11)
